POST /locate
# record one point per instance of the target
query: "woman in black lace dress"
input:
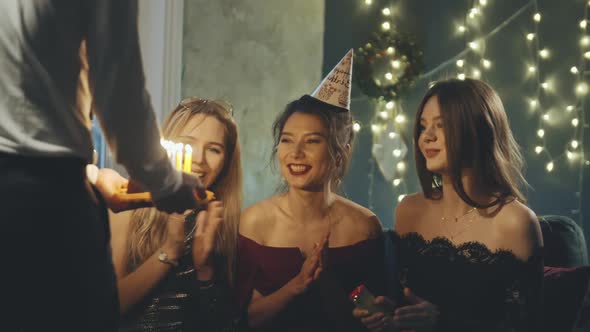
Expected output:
(175, 272)
(468, 248)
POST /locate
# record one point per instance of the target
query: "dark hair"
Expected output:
(340, 134)
(478, 136)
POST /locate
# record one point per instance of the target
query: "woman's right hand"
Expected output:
(311, 268)
(174, 242)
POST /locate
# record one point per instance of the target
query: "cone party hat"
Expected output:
(335, 87)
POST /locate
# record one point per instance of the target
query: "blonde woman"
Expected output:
(169, 279)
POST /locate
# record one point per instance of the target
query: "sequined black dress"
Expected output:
(180, 303)
(475, 289)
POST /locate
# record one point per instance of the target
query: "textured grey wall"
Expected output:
(258, 55)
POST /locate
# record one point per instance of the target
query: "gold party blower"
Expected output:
(181, 156)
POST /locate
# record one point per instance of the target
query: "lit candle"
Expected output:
(188, 158)
(178, 158)
(166, 146)
(171, 150)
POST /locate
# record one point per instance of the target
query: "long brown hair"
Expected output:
(147, 231)
(340, 134)
(478, 136)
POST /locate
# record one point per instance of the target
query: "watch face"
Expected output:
(163, 257)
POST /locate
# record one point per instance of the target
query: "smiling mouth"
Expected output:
(431, 153)
(200, 175)
(298, 169)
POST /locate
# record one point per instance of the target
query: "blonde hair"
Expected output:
(147, 230)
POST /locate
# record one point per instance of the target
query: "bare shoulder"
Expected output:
(519, 229)
(408, 211)
(362, 220)
(256, 219)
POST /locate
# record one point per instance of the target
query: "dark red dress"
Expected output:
(325, 305)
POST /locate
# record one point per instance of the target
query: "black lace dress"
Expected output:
(475, 289)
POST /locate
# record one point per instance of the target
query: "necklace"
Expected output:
(452, 236)
(470, 222)
(457, 218)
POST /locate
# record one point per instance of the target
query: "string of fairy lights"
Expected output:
(533, 69)
(472, 62)
(575, 151)
(469, 65)
(389, 118)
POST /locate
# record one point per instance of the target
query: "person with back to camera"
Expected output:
(56, 244)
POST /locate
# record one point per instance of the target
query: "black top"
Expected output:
(475, 288)
(179, 302)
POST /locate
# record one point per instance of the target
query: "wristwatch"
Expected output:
(163, 257)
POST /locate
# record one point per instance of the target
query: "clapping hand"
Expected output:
(208, 223)
(313, 266)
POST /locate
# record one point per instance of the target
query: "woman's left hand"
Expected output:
(109, 182)
(419, 316)
(379, 321)
(208, 223)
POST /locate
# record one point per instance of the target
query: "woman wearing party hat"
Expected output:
(304, 249)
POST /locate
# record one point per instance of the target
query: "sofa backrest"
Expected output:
(564, 242)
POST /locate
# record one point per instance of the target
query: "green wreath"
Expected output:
(371, 62)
